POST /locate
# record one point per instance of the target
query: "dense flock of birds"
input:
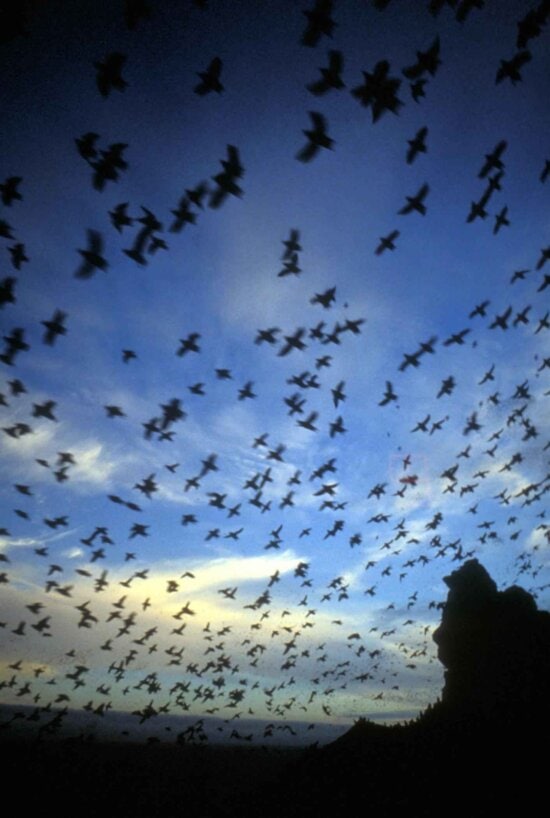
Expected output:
(155, 646)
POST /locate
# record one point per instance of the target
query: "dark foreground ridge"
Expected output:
(474, 752)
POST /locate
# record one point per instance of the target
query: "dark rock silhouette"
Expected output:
(495, 646)
(473, 752)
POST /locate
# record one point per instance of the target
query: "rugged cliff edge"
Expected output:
(473, 752)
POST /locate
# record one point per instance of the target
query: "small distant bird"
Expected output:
(330, 77)
(510, 69)
(293, 342)
(109, 74)
(7, 295)
(319, 22)
(447, 386)
(246, 391)
(456, 337)
(379, 91)
(501, 320)
(544, 257)
(426, 62)
(417, 89)
(86, 145)
(119, 217)
(8, 190)
(309, 422)
(15, 343)
(518, 275)
(197, 389)
(317, 138)
(54, 327)
(210, 79)
(197, 194)
(92, 256)
(417, 144)
(44, 410)
(387, 242)
(189, 344)
(290, 267)
(501, 220)
(389, 395)
(17, 387)
(493, 160)
(182, 215)
(480, 309)
(223, 374)
(416, 202)
(325, 299)
(226, 181)
(114, 411)
(18, 256)
(108, 166)
(477, 209)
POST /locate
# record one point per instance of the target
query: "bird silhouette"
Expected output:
(510, 69)
(389, 395)
(426, 61)
(92, 257)
(387, 242)
(379, 91)
(416, 202)
(331, 77)
(9, 190)
(54, 327)
(417, 144)
(109, 74)
(210, 79)
(317, 137)
(320, 23)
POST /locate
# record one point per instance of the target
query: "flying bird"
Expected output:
(387, 242)
(319, 22)
(317, 138)
(119, 217)
(426, 62)
(54, 327)
(9, 190)
(92, 257)
(416, 202)
(493, 160)
(417, 144)
(324, 299)
(510, 69)
(226, 181)
(331, 77)
(389, 395)
(379, 91)
(109, 74)
(501, 220)
(210, 79)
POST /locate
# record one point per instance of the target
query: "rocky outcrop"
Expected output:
(472, 752)
(495, 646)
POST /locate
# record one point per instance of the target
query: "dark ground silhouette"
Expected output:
(473, 752)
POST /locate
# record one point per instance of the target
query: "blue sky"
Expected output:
(324, 649)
